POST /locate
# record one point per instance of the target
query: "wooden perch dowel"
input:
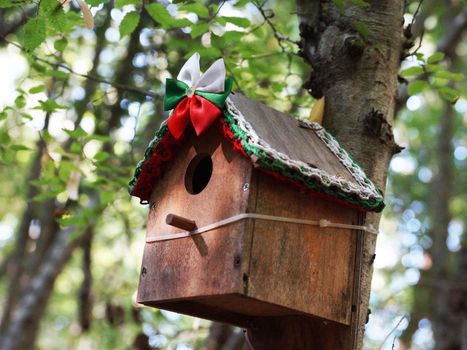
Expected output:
(180, 222)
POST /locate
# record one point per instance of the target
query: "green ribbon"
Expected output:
(175, 91)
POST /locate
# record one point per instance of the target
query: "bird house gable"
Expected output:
(299, 152)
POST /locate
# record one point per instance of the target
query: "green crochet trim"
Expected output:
(266, 162)
(274, 165)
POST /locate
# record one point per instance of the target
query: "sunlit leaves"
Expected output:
(60, 44)
(436, 57)
(49, 106)
(412, 71)
(449, 75)
(121, 3)
(448, 93)
(160, 14)
(238, 21)
(198, 29)
(96, 2)
(432, 73)
(20, 101)
(76, 133)
(196, 7)
(33, 33)
(19, 148)
(129, 23)
(6, 3)
(417, 87)
(37, 89)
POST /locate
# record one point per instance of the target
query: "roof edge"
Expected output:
(366, 196)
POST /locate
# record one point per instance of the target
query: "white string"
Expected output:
(243, 216)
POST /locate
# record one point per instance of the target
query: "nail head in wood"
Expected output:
(180, 222)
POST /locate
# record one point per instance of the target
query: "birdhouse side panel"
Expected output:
(303, 267)
(212, 263)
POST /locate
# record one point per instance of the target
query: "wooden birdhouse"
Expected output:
(251, 213)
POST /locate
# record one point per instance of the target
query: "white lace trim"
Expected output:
(364, 188)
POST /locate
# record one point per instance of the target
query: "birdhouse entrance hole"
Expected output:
(198, 173)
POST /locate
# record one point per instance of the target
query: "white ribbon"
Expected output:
(243, 216)
(210, 81)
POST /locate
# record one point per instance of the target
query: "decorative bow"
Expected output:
(197, 97)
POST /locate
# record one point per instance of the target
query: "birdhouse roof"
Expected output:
(300, 152)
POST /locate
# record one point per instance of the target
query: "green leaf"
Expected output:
(160, 14)
(242, 3)
(37, 89)
(56, 18)
(121, 3)
(233, 35)
(436, 57)
(435, 67)
(129, 23)
(411, 71)
(19, 148)
(182, 23)
(238, 21)
(217, 41)
(60, 44)
(449, 75)
(96, 2)
(101, 156)
(199, 29)
(416, 87)
(448, 93)
(76, 147)
(6, 4)
(20, 101)
(51, 193)
(3, 115)
(196, 7)
(77, 133)
(362, 28)
(64, 169)
(420, 57)
(61, 75)
(33, 33)
(49, 106)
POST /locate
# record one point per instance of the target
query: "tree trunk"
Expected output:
(357, 74)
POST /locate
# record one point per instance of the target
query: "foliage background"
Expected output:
(79, 106)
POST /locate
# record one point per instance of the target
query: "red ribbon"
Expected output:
(200, 111)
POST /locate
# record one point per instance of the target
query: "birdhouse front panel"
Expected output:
(204, 182)
(252, 213)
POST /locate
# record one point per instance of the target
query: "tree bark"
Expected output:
(449, 310)
(357, 74)
(23, 324)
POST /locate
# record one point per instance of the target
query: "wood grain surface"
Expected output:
(208, 264)
(303, 267)
(284, 135)
(252, 271)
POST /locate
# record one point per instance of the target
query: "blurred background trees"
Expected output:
(79, 106)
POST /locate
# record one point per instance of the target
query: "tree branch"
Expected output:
(279, 37)
(447, 45)
(40, 289)
(87, 76)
